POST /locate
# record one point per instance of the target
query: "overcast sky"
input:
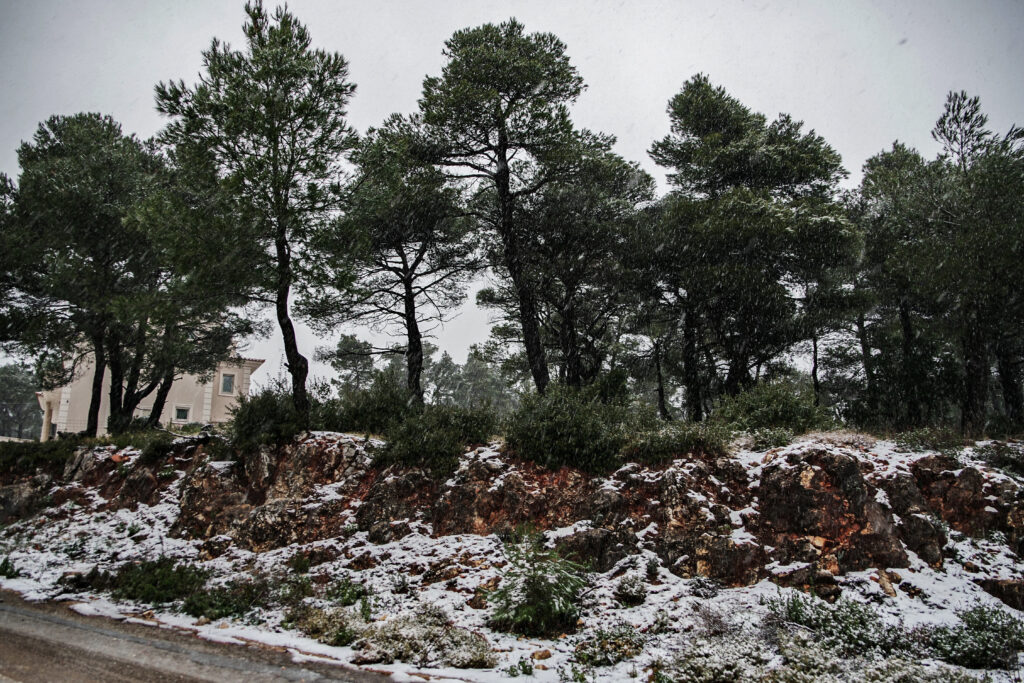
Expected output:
(862, 74)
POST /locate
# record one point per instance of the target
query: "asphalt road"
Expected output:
(49, 642)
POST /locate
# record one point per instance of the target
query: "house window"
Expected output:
(181, 414)
(227, 384)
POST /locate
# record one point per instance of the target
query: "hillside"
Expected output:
(692, 567)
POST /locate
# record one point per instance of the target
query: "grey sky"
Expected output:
(861, 73)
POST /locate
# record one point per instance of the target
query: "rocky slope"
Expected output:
(918, 535)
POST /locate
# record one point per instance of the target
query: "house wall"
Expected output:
(67, 408)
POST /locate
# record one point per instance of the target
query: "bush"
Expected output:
(767, 438)
(847, 628)
(234, 599)
(941, 439)
(268, 417)
(427, 638)
(539, 592)
(566, 426)
(18, 457)
(1005, 456)
(158, 581)
(374, 410)
(631, 591)
(607, 648)
(436, 437)
(347, 592)
(8, 570)
(782, 404)
(675, 439)
(986, 638)
(337, 627)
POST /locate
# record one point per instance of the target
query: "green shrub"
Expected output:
(347, 592)
(233, 599)
(299, 563)
(294, 590)
(336, 627)
(986, 638)
(158, 581)
(607, 648)
(1005, 456)
(781, 404)
(268, 417)
(631, 591)
(847, 628)
(373, 410)
(676, 439)
(539, 592)
(565, 426)
(8, 570)
(769, 437)
(17, 457)
(941, 439)
(427, 638)
(435, 437)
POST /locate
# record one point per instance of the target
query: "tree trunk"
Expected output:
(115, 423)
(814, 368)
(976, 369)
(414, 345)
(92, 423)
(908, 368)
(570, 349)
(528, 316)
(691, 374)
(1010, 381)
(298, 366)
(866, 361)
(160, 400)
(662, 404)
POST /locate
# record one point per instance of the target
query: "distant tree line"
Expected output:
(899, 302)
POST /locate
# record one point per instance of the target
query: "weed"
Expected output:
(771, 437)
(676, 439)
(986, 637)
(299, 563)
(233, 599)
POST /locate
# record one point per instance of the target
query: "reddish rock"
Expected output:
(822, 496)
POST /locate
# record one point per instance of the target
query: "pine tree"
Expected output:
(273, 119)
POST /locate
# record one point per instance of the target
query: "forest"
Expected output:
(756, 286)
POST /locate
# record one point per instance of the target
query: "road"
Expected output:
(49, 642)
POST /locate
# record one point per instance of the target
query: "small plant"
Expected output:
(427, 638)
(168, 472)
(539, 593)
(295, 589)
(631, 591)
(524, 667)
(299, 563)
(158, 581)
(986, 637)
(771, 437)
(133, 529)
(400, 584)
(606, 648)
(8, 570)
(123, 470)
(347, 592)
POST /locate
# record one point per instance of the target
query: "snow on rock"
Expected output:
(918, 535)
